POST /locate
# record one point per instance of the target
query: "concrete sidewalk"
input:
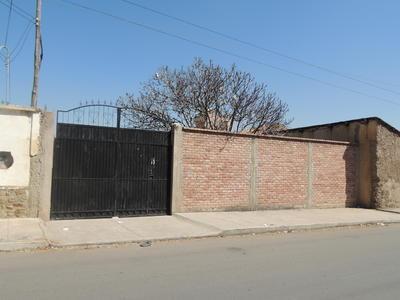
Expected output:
(122, 230)
(231, 223)
(19, 234)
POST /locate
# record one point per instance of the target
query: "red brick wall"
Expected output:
(334, 175)
(216, 172)
(218, 168)
(281, 173)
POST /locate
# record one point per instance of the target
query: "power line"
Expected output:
(386, 83)
(21, 37)
(8, 23)
(22, 41)
(19, 11)
(154, 29)
(253, 45)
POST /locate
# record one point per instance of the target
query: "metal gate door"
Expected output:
(101, 171)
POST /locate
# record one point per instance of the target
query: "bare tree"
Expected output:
(206, 95)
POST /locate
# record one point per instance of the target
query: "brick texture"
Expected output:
(218, 170)
(334, 176)
(281, 174)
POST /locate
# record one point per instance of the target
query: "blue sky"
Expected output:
(92, 57)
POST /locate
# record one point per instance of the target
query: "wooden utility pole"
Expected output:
(38, 54)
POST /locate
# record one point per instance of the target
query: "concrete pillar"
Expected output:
(177, 169)
(310, 175)
(47, 131)
(253, 175)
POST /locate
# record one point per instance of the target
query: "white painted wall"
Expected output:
(19, 134)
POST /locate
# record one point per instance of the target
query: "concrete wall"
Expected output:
(378, 157)
(387, 189)
(21, 135)
(224, 172)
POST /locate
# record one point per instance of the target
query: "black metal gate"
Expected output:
(105, 171)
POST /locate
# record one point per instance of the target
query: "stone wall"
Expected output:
(14, 202)
(225, 172)
(387, 186)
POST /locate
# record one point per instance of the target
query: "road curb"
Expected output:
(220, 233)
(137, 241)
(258, 230)
(23, 246)
(388, 210)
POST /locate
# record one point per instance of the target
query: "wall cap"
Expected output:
(13, 187)
(273, 137)
(176, 126)
(11, 107)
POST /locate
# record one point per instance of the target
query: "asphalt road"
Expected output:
(358, 263)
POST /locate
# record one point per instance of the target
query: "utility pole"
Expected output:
(38, 54)
(7, 61)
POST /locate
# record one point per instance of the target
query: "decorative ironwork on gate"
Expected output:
(96, 114)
